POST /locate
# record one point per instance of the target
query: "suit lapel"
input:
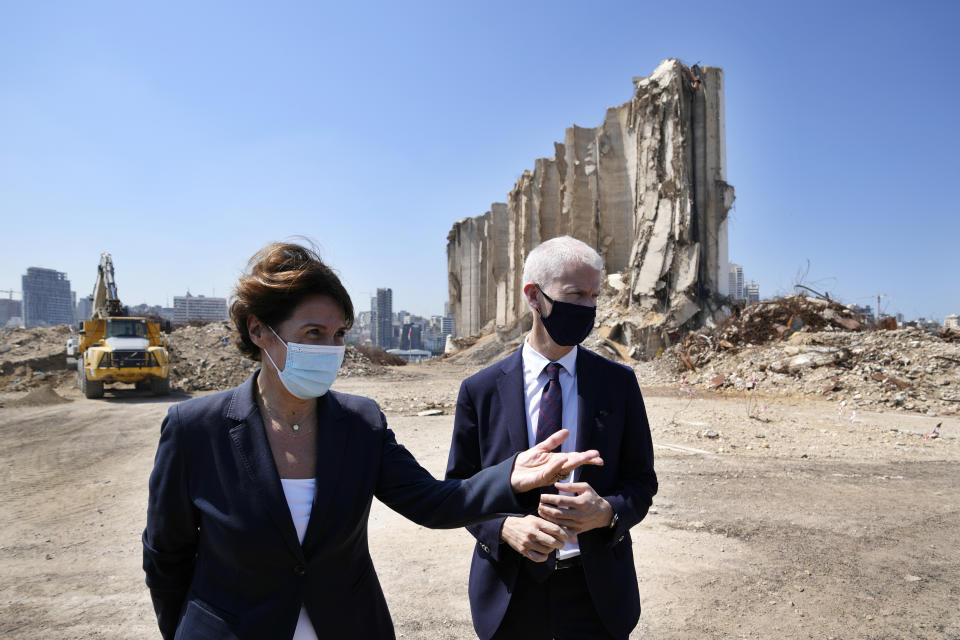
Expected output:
(331, 454)
(513, 401)
(250, 441)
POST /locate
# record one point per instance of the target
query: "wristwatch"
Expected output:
(613, 520)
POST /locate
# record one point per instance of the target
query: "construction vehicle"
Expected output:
(113, 347)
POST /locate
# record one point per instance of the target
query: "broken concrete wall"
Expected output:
(463, 271)
(647, 189)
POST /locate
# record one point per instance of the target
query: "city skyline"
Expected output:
(734, 267)
(372, 128)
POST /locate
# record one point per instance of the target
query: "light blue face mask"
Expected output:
(310, 369)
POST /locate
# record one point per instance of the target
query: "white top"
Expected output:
(534, 380)
(299, 495)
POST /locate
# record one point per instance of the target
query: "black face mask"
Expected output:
(568, 324)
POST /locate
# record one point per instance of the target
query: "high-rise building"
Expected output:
(201, 308)
(383, 314)
(446, 325)
(83, 309)
(373, 320)
(47, 299)
(737, 291)
(752, 293)
(952, 321)
(411, 336)
(9, 310)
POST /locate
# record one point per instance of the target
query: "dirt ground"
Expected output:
(803, 523)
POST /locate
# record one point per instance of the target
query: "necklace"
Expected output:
(270, 414)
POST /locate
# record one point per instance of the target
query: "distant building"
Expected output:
(411, 336)
(411, 355)
(373, 320)
(382, 319)
(144, 309)
(447, 327)
(737, 290)
(952, 321)
(864, 310)
(200, 308)
(752, 293)
(47, 298)
(10, 309)
(359, 333)
(83, 309)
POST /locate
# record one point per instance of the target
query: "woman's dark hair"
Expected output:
(277, 279)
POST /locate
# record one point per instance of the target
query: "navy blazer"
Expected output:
(491, 426)
(220, 551)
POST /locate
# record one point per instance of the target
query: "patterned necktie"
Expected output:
(549, 422)
(551, 405)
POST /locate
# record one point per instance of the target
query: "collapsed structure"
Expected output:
(647, 189)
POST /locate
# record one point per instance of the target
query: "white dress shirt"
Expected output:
(534, 380)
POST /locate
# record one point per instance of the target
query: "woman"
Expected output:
(259, 496)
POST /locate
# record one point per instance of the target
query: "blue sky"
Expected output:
(181, 137)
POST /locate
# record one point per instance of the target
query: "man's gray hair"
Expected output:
(547, 261)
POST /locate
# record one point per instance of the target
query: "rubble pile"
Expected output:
(204, 358)
(776, 319)
(376, 355)
(798, 345)
(357, 362)
(481, 350)
(765, 322)
(33, 358)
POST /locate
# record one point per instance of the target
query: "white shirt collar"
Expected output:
(534, 361)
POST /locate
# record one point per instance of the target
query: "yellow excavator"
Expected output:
(114, 347)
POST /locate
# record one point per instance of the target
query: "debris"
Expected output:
(833, 384)
(807, 360)
(32, 358)
(430, 412)
(848, 323)
(887, 324)
(908, 369)
(198, 361)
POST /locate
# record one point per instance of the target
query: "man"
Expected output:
(565, 570)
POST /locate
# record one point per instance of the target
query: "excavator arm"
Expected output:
(105, 303)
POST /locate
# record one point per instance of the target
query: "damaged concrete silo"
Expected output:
(647, 189)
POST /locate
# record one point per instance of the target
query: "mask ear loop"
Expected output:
(548, 299)
(268, 352)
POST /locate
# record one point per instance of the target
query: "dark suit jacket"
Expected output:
(220, 550)
(490, 427)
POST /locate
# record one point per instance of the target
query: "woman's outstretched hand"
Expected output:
(539, 466)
